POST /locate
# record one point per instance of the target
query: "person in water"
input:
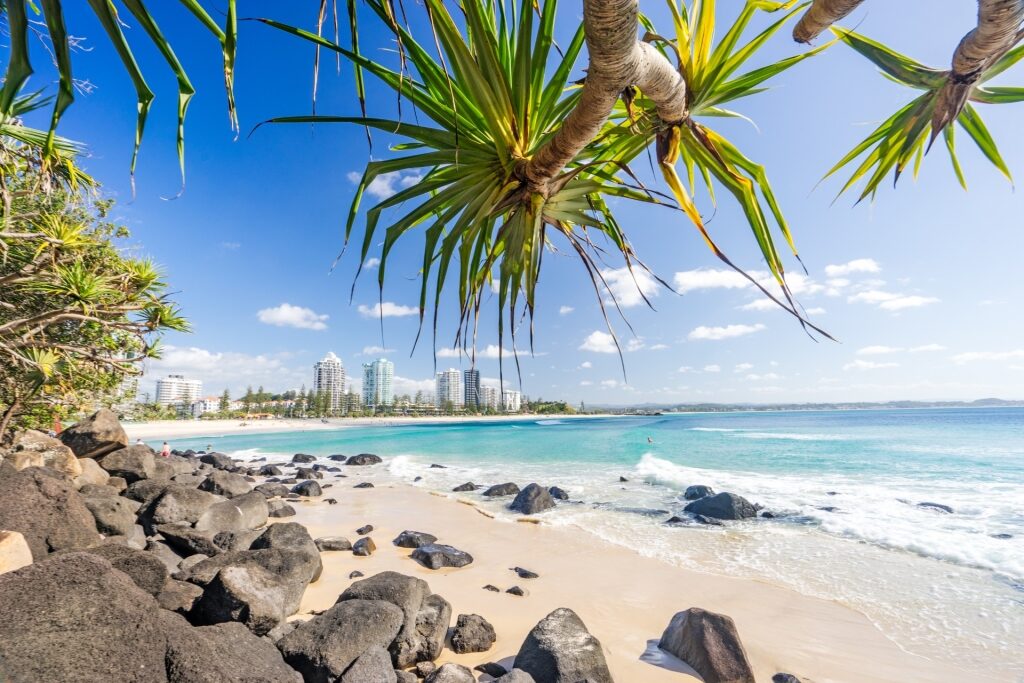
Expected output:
(166, 450)
(650, 440)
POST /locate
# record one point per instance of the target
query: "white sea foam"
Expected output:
(546, 423)
(790, 436)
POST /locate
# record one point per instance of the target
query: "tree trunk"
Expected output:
(617, 60)
(5, 421)
(821, 15)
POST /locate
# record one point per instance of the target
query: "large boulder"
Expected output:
(438, 555)
(364, 459)
(451, 673)
(515, 676)
(472, 633)
(710, 644)
(144, 491)
(91, 474)
(254, 509)
(698, 491)
(307, 488)
(277, 509)
(373, 666)
(507, 489)
(188, 541)
(35, 449)
(45, 508)
(303, 457)
(244, 657)
(272, 490)
(290, 536)
(218, 461)
(96, 435)
(323, 648)
(181, 597)
(132, 463)
(180, 503)
(226, 484)
(559, 649)
(14, 552)
(414, 539)
(425, 616)
(533, 499)
(723, 506)
(145, 569)
(114, 515)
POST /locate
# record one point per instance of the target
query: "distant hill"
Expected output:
(856, 405)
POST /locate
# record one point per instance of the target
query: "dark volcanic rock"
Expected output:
(272, 490)
(179, 503)
(709, 643)
(622, 480)
(132, 463)
(308, 488)
(531, 500)
(364, 459)
(517, 591)
(363, 485)
(472, 634)
(468, 486)
(303, 457)
(425, 616)
(451, 673)
(218, 461)
(225, 484)
(179, 596)
(145, 569)
(308, 473)
(435, 466)
(145, 491)
(364, 547)
(277, 509)
(45, 508)
(324, 647)
(114, 515)
(96, 435)
(365, 529)
(785, 678)
(333, 543)
(525, 573)
(558, 494)
(723, 506)
(936, 506)
(437, 555)
(560, 650)
(507, 489)
(246, 657)
(493, 589)
(492, 669)
(290, 536)
(373, 666)
(337, 457)
(414, 539)
(698, 491)
(707, 521)
(515, 676)
(271, 471)
(187, 540)
(356, 574)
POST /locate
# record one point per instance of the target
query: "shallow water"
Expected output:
(939, 584)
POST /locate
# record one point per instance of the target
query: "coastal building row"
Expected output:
(462, 389)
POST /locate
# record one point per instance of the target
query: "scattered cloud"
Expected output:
(586, 364)
(657, 347)
(974, 356)
(767, 377)
(404, 385)
(371, 263)
(220, 369)
(861, 265)
(878, 350)
(927, 348)
(565, 310)
(489, 351)
(890, 301)
(868, 365)
(599, 342)
(610, 383)
(387, 184)
(387, 310)
(712, 368)
(586, 383)
(727, 332)
(232, 246)
(635, 344)
(629, 287)
(705, 278)
(287, 315)
(762, 304)
(685, 369)
(375, 351)
(743, 367)
(818, 310)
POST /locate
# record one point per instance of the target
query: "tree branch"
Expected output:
(821, 15)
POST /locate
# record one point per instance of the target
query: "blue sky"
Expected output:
(921, 287)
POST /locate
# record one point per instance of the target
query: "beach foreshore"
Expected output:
(181, 429)
(625, 599)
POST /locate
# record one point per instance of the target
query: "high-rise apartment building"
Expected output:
(377, 383)
(512, 400)
(448, 388)
(329, 379)
(489, 398)
(471, 388)
(176, 390)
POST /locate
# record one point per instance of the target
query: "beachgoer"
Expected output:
(139, 442)
(166, 450)
(209, 448)
(650, 440)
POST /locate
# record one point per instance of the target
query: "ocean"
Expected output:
(844, 486)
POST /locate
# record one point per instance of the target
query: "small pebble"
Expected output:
(525, 573)
(493, 589)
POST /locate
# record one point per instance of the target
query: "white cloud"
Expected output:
(375, 351)
(727, 332)
(763, 304)
(635, 344)
(890, 301)
(387, 310)
(767, 377)
(973, 356)
(219, 369)
(586, 383)
(404, 385)
(599, 342)
(287, 315)
(629, 287)
(586, 364)
(742, 367)
(878, 350)
(927, 348)
(387, 184)
(371, 263)
(685, 368)
(610, 383)
(230, 245)
(712, 368)
(489, 351)
(657, 347)
(565, 310)
(689, 280)
(816, 311)
(868, 365)
(861, 265)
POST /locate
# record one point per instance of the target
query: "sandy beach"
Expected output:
(625, 600)
(178, 429)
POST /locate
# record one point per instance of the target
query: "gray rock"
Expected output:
(364, 459)
(222, 516)
(531, 500)
(114, 515)
(558, 493)
(303, 457)
(492, 669)
(515, 676)
(324, 647)
(414, 539)
(468, 486)
(291, 536)
(242, 657)
(364, 547)
(225, 484)
(281, 630)
(365, 529)
(525, 573)
(144, 491)
(517, 591)
(236, 540)
(451, 673)
(472, 633)
(191, 561)
(218, 461)
(31, 448)
(272, 490)
(425, 617)
(254, 508)
(559, 649)
(709, 643)
(697, 492)
(785, 678)
(271, 471)
(277, 509)
(424, 669)
(181, 503)
(437, 555)
(507, 489)
(936, 506)
(405, 676)
(363, 485)
(92, 474)
(145, 569)
(96, 435)
(308, 473)
(44, 507)
(179, 596)
(333, 543)
(373, 666)
(132, 463)
(164, 553)
(307, 488)
(337, 457)
(723, 506)
(95, 490)
(188, 541)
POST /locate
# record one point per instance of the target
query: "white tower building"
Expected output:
(377, 383)
(329, 378)
(448, 388)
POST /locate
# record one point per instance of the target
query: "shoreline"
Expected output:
(184, 429)
(625, 599)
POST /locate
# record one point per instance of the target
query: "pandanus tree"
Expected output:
(516, 156)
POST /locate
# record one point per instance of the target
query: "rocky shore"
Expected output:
(119, 564)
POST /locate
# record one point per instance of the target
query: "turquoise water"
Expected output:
(935, 582)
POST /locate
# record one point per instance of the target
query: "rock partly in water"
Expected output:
(697, 492)
(936, 506)
(472, 633)
(337, 457)
(96, 435)
(559, 649)
(414, 539)
(710, 644)
(506, 489)
(723, 506)
(468, 486)
(437, 555)
(558, 493)
(533, 499)
(364, 459)
(45, 508)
